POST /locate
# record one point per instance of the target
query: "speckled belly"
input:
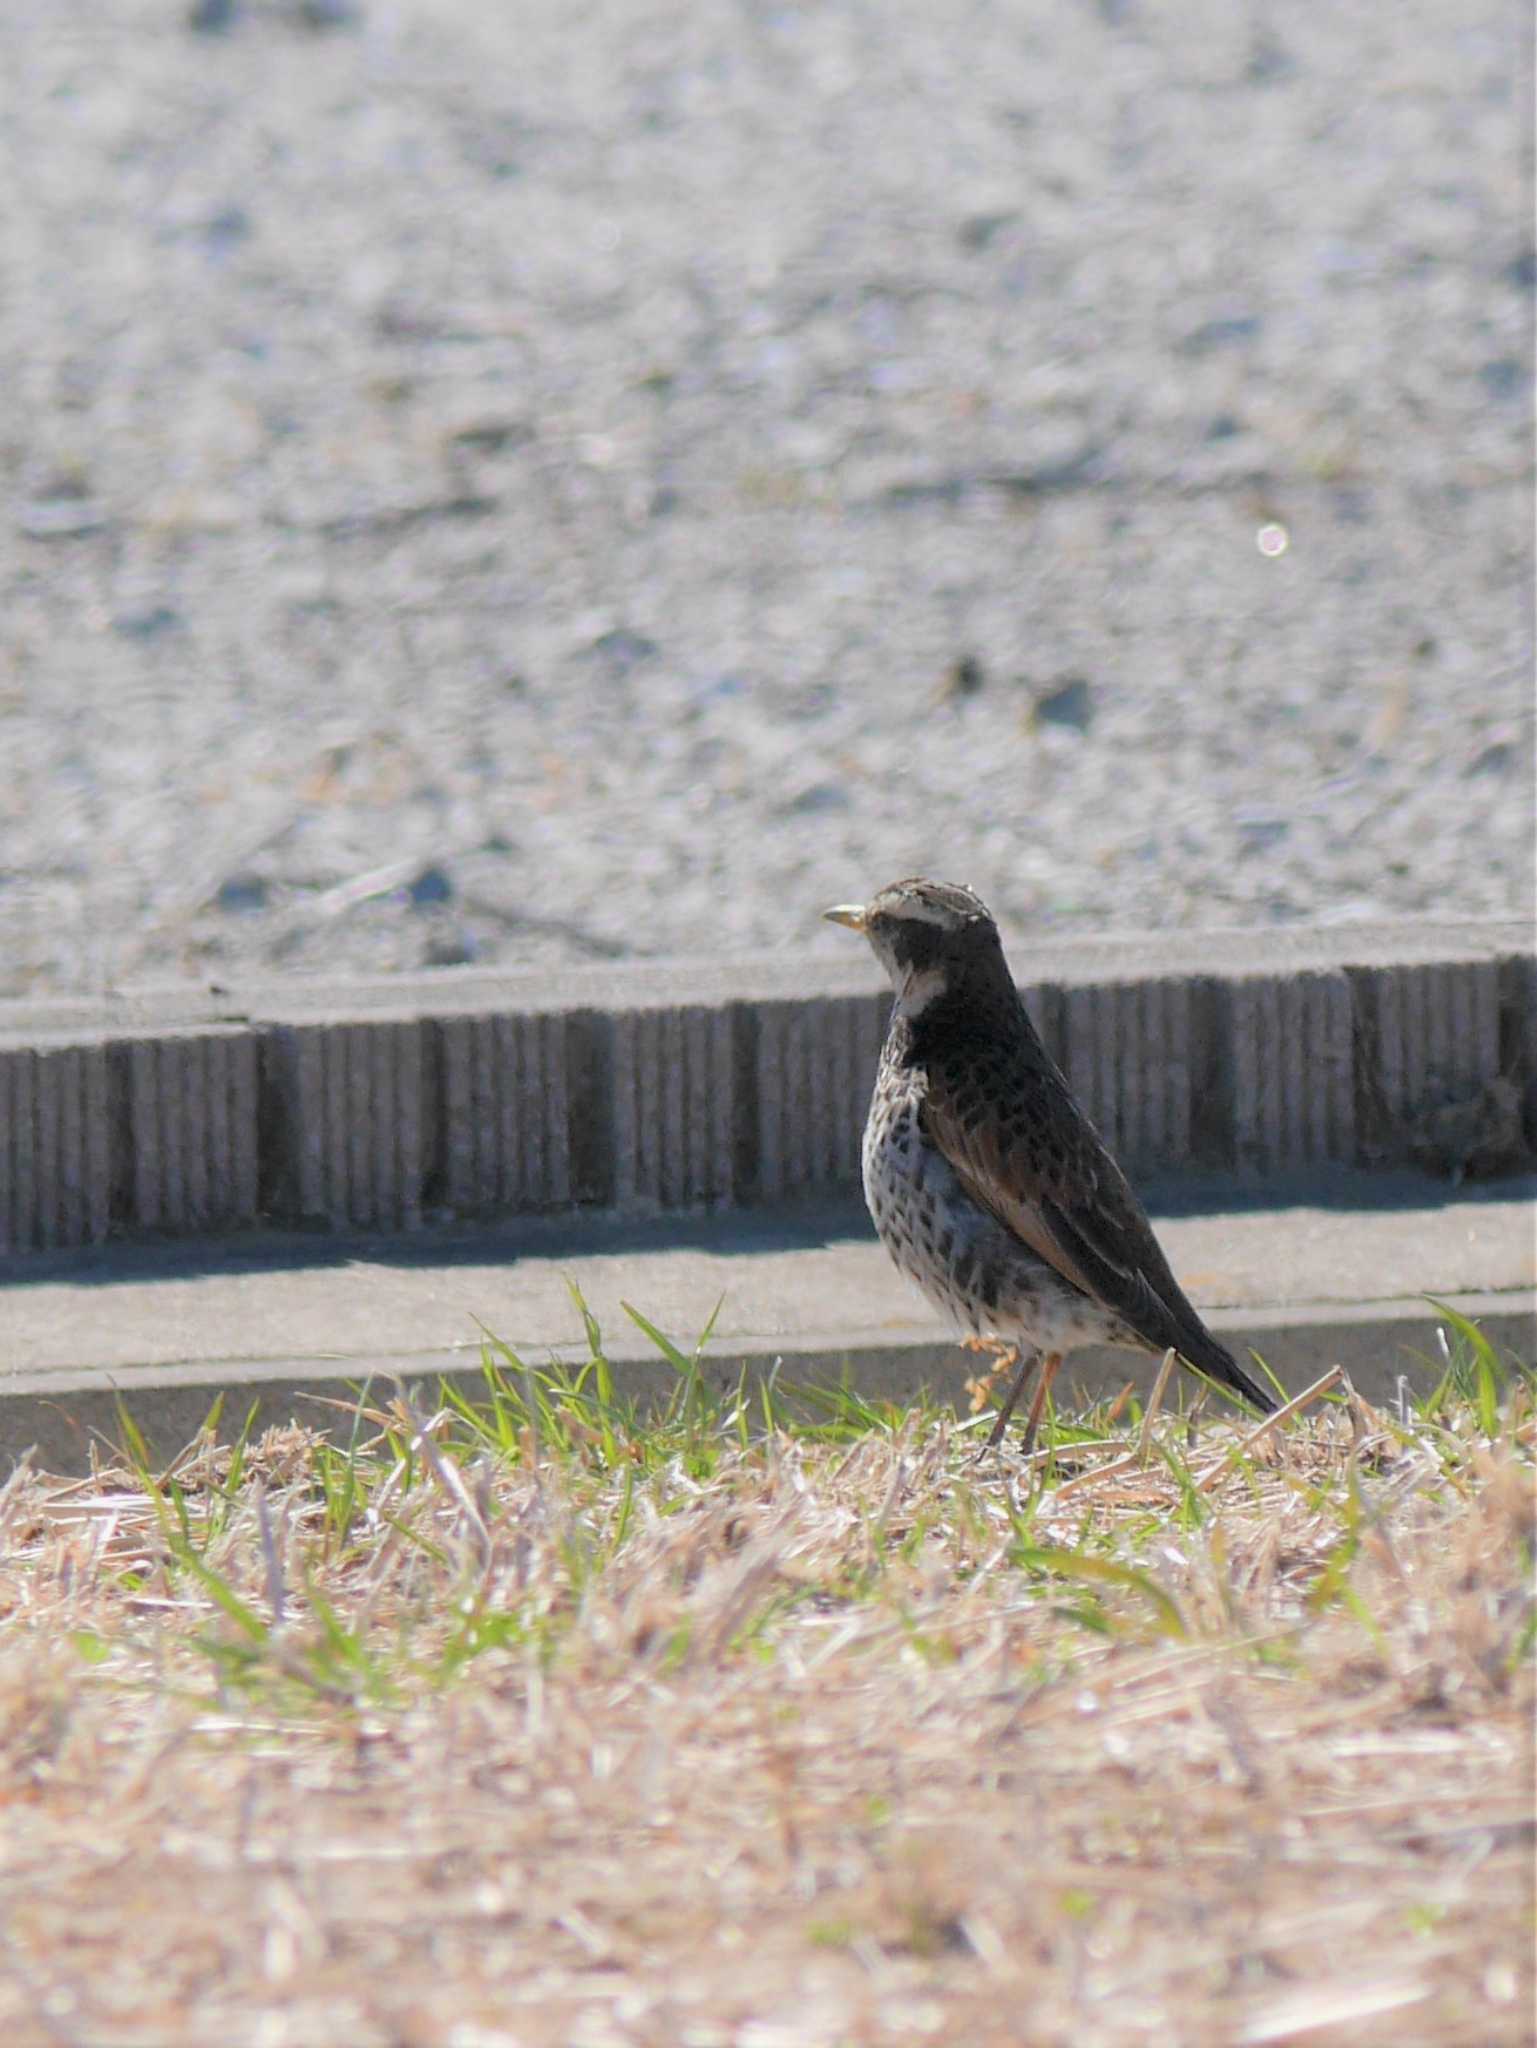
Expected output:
(973, 1269)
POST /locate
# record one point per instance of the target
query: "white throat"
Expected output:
(917, 989)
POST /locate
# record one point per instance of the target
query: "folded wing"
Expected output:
(1039, 1166)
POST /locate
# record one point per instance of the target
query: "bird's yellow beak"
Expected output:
(851, 914)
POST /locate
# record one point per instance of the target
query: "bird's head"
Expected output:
(930, 937)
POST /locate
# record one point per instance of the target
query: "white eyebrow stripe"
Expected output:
(915, 910)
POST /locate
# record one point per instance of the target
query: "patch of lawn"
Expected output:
(776, 1718)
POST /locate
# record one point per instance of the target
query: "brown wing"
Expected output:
(1023, 1149)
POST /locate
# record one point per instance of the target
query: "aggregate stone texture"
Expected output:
(525, 484)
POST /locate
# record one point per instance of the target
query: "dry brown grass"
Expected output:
(703, 1737)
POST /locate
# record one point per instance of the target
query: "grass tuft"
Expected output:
(768, 1713)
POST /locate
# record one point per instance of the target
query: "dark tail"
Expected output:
(1198, 1347)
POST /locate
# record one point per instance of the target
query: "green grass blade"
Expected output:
(678, 1360)
(1073, 1564)
(224, 1596)
(1482, 1368)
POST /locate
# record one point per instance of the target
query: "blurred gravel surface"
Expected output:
(506, 482)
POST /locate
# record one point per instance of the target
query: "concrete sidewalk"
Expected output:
(1341, 1275)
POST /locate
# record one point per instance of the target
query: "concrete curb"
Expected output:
(386, 1105)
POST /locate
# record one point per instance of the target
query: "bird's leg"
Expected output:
(996, 1438)
(1051, 1365)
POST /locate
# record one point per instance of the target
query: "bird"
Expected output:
(985, 1180)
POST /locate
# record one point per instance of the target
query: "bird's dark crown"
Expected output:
(936, 930)
(944, 906)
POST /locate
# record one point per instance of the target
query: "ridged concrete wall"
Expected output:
(389, 1105)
